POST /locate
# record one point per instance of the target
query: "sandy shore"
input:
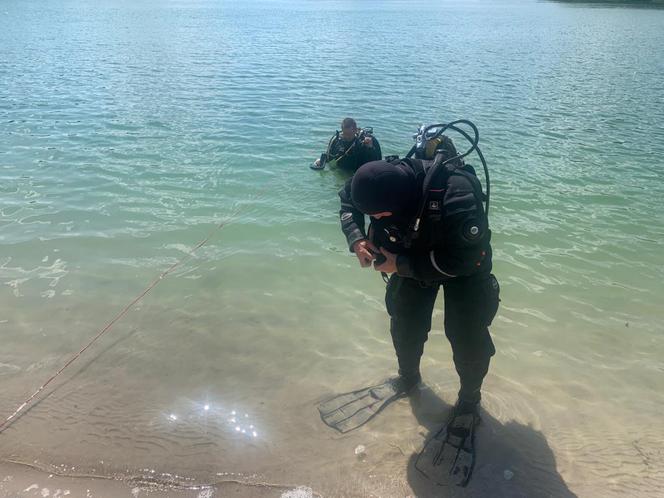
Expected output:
(18, 480)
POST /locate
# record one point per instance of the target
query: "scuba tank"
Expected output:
(437, 149)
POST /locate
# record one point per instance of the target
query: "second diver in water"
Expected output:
(429, 229)
(350, 148)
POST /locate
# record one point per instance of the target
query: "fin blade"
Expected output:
(349, 411)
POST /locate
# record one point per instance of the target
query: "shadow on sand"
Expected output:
(518, 449)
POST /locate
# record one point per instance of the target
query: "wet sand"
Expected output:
(20, 480)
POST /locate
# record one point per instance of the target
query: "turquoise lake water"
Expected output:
(128, 130)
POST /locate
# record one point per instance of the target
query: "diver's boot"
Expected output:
(471, 376)
(464, 407)
(409, 380)
(408, 359)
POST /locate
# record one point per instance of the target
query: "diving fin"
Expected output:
(449, 457)
(351, 410)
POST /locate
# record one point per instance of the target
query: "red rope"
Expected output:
(117, 317)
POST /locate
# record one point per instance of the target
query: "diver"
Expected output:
(429, 229)
(350, 148)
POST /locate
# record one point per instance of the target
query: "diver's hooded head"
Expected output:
(379, 186)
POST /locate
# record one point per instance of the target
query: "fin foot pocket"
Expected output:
(448, 458)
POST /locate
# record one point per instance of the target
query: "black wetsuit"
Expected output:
(453, 250)
(353, 154)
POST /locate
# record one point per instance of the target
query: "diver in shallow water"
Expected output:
(429, 229)
(350, 148)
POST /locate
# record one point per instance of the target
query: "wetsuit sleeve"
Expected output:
(352, 219)
(374, 152)
(462, 242)
(367, 153)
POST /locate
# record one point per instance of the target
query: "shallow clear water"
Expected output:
(129, 129)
